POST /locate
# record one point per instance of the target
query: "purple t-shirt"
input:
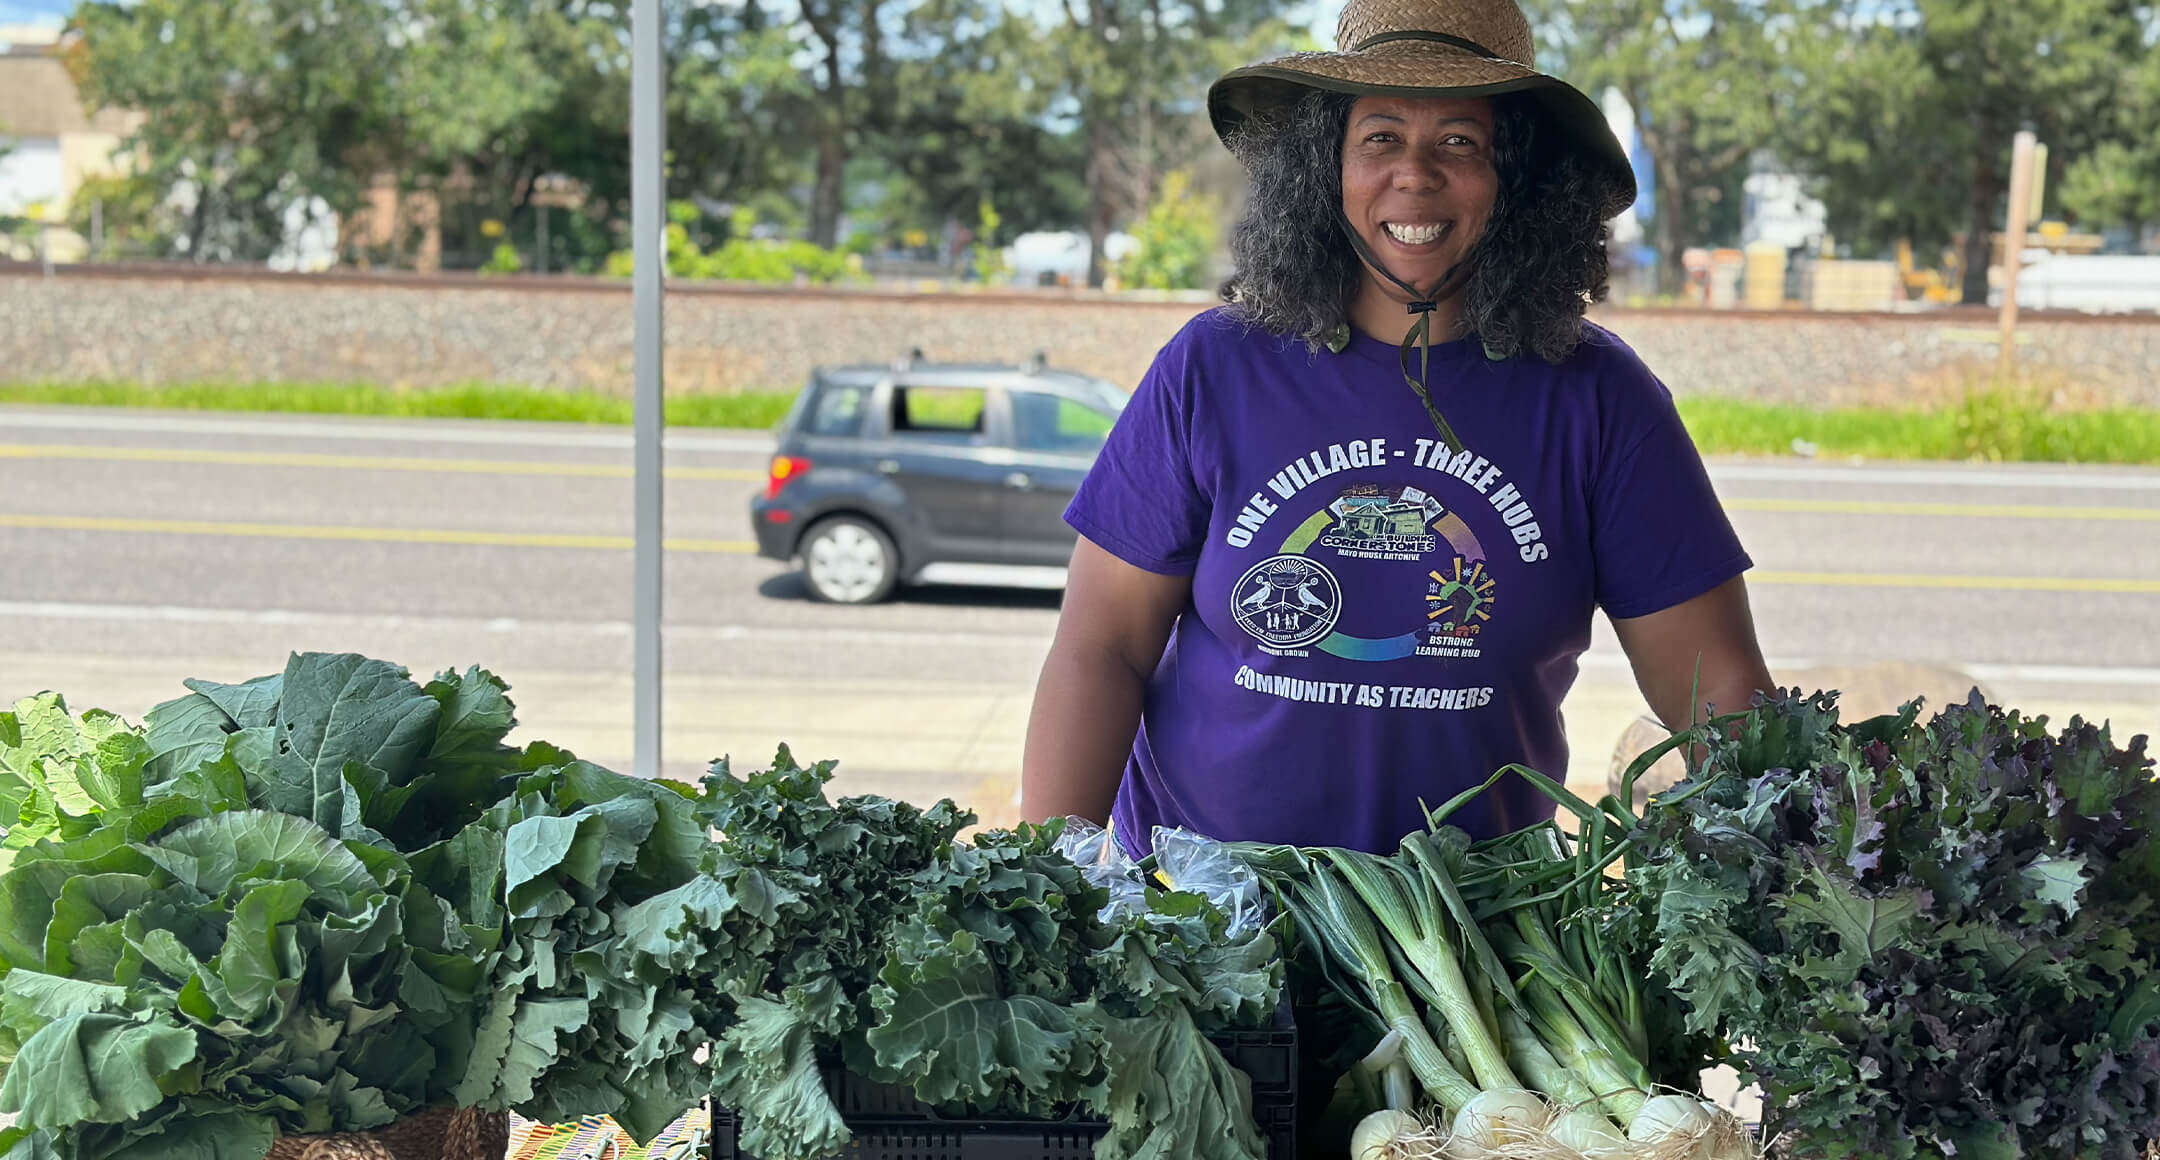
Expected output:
(1373, 622)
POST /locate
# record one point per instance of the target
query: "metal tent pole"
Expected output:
(648, 217)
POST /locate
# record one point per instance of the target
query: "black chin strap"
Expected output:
(1422, 304)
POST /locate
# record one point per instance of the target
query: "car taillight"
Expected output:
(784, 468)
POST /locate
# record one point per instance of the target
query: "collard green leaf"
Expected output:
(342, 709)
(537, 1043)
(249, 704)
(481, 1081)
(90, 900)
(256, 959)
(206, 1136)
(210, 854)
(476, 714)
(183, 733)
(93, 1067)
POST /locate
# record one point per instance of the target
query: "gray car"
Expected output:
(884, 475)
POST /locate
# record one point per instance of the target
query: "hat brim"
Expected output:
(1411, 68)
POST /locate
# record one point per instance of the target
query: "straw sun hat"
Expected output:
(1429, 48)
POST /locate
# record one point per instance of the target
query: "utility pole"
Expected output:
(2021, 204)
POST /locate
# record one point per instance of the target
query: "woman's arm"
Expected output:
(1716, 632)
(1110, 636)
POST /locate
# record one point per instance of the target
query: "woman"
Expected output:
(1342, 550)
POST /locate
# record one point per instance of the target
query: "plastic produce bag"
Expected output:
(1198, 864)
(1095, 850)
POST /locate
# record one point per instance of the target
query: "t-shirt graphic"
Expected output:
(1378, 622)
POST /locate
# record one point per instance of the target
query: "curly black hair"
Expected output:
(1540, 264)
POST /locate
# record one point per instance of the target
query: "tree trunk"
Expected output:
(1100, 174)
(826, 200)
(1980, 224)
(1671, 227)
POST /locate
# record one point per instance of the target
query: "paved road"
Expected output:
(139, 548)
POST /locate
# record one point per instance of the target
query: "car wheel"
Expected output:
(850, 561)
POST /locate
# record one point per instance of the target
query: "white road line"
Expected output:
(417, 431)
(1605, 659)
(2093, 479)
(392, 622)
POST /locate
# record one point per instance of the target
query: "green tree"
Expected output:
(257, 106)
(1176, 240)
(1707, 85)
(264, 104)
(1134, 75)
(2117, 181)
(969, 117)
(1909, 111)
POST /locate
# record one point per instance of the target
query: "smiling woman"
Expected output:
(1342, 550)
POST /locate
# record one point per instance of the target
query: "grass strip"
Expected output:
(2002, 426)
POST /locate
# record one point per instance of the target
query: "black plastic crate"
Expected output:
(919, 1138)
(889, 1123)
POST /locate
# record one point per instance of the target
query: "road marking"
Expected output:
(480, 538)
(405, 431)
(453, 536)
(301, 618)
(1984, 511)
(2090, 478)
(1606, 659)
(359, 462)
(1972, 583)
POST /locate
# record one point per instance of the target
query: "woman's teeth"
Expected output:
(1414, 235)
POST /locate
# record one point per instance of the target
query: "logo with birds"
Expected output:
(1287, 601)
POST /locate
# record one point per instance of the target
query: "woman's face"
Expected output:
(1418, 182)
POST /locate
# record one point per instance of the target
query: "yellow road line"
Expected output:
(1984, 511)
(358, 462)
(1973, 583)
(460, 537)
(476, 538)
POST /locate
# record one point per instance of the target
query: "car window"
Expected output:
(1046, 422)
(838, 411)
(938, 414)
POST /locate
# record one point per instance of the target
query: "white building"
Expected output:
(49, 144)
(1779, 211)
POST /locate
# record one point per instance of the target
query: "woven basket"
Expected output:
(437, 1134)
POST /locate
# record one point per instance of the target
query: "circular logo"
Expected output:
(1287, 601)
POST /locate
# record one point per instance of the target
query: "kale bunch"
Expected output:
(1921, 939)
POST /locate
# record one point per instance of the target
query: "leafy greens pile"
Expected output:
(329, 898)
(1934, 939)
(865, 934)
(287, 906)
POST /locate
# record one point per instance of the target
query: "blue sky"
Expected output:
(34, 11)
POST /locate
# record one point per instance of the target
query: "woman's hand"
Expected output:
(1110, 637)
(1714, 631)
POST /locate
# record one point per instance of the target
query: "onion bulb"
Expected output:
(1586, 1132)
(1393, 1134)
(1664, 1117)
(1676, 1127)
(1499, 1118)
